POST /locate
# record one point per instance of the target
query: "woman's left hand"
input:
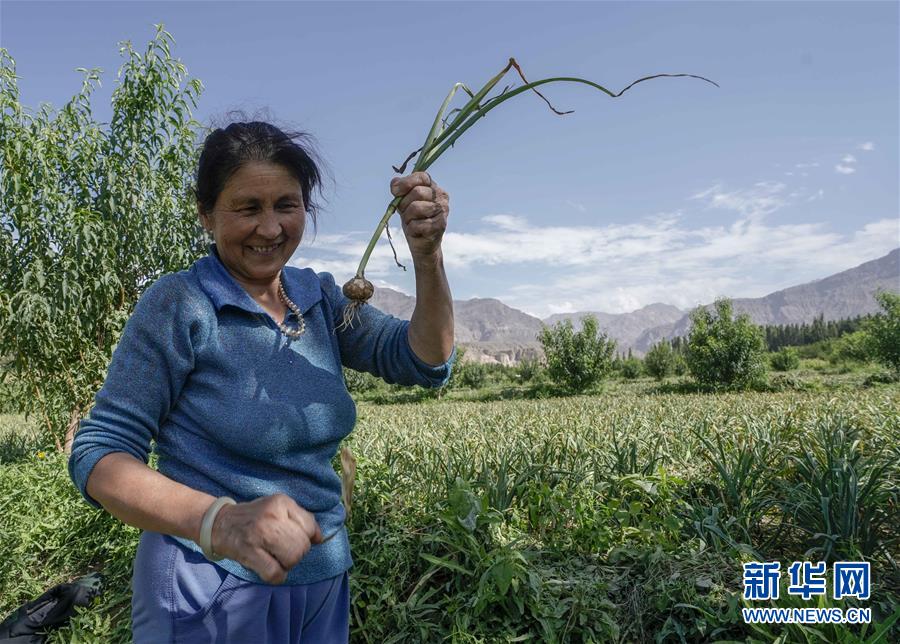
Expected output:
(423, 210)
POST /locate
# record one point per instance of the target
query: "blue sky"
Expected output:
(676, 192)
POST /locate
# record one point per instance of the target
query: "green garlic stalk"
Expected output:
(441, 136)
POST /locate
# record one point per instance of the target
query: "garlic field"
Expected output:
(621, 517)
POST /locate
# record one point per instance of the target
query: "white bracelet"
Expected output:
(207, 525)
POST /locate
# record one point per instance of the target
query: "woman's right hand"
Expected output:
(268, 535)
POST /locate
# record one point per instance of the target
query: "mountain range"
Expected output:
(492, 332)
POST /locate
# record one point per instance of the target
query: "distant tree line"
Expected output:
(795, 335)
(778, 336)
(722, 351)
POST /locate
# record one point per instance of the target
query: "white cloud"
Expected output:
(577, 206)
(876, 234)
(868, 146)
(564, 307)
(742, 260)
(807, 165)
(505, 222)
(341, 269)
(546, 268)
(762, 199)
(514, 240)
(847, 165)
(330, 239)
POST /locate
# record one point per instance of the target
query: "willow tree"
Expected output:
(92, 213)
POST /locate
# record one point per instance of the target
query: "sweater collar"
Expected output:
(302, 286)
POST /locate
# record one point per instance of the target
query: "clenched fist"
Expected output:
(268, 535)
(423, 210)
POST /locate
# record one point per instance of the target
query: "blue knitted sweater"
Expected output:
(235, 407)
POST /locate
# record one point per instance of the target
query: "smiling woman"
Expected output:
(258, 222)
(234, 368)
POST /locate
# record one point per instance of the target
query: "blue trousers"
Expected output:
(180, 596)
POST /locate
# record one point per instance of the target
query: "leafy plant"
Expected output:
(92, 214)
(358, 382)
(786, 359)
(631, 368)
(620, 518)
(473, 375)
(882, 332)
(850, 347)
(840, 493)
(661, 360)
(577, 360)
(528, 369)
(725, 352)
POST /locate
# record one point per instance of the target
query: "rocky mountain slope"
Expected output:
(491, 331)
(842, 295)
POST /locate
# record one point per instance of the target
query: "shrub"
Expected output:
(473, 375)
(723, 351)
(631, 368)
(577, 360)
(528, 369)
(785, 360)
(882, 332)
(661, 360)
(681, 367)
(359, 381)
(881, 377)
(786, 382)
(821, 350)
(850, 347)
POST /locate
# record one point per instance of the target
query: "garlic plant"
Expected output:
(444, 134)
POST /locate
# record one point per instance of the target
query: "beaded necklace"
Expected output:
(291, 333)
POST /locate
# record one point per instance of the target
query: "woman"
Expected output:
(233, 367)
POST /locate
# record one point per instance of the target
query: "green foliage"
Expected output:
(469, 374)
(725, 352)
(47, 543)
(93, 213)
(661, 360)
(360, 381)
(631, 368)
(11, 393)
(528, 369)
(851, 347)
(621, 518)
(785, 359)
(681, 367)
(791, 382)
(782, 335)
(473, 375)
(882, 332)
(841, 492)
(883, 377)
(577, 360)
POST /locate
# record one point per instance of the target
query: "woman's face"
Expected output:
(260, 206)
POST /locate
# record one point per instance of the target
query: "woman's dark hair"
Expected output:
(226, 149)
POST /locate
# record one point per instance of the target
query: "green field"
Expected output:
(621, 516)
